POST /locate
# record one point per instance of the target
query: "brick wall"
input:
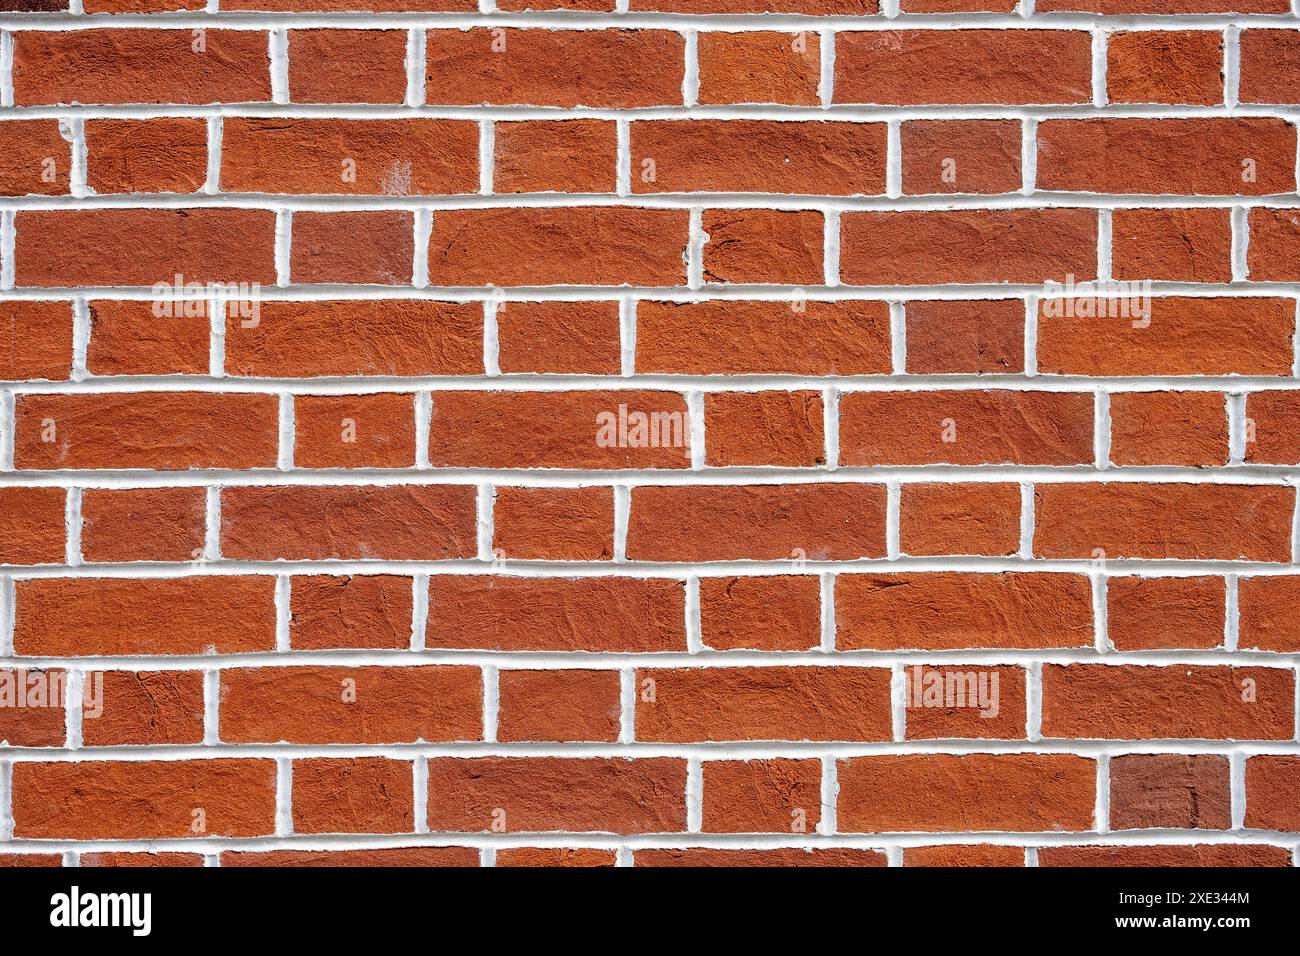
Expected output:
(672, 432)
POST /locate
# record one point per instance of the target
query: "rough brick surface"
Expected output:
(673, 433)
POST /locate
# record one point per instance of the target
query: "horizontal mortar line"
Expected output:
(531, 383)
(583, 20)
(662, 201)
(847, 112)
(668, 840)
(535, 477)
(666, 293)
(1116, 567)
(618, 660)
(718, 751)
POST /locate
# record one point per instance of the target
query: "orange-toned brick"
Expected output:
(558, 705)
(554, 524)
(143, 524)
(565, 156)
(761, 612)
(354, 431)
(764, 428)
(971, 518)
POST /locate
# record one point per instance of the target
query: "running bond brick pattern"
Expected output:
(649, 432)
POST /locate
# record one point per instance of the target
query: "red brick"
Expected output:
(143, 247)
(577, 338)
(354, 795)
(375, 248)
(1274, 245)
(35, 158)
(818, 522)
(141, 66)
(956, 337)
(761, 612)
(758, 246)
(1165, 855)
(964, 701)
(980, 519)
(403, 856)
(390, 522)
(963, 66)
(354, 431)
(913, 247)
(1179, 336)
(359, 610)
(1168, 428)
(144, 799)
(580, 429)
(143, 524)
(938, 792)
(522, 794)
(1268, 618)
(1131, 702)
(1270, 63)
(566, 156)
(33, 707)
(559, 705)
(35, 340)
(1273, 793)
(1166, 520)
(1119, 7)
(759, 67)
(961, 156)
(950, 854)
(777, 795)
(399, 157)
(764, 428)
(1273, 427)
(1181, 156)
(141, 859)
(571, 246)
(32, 525)
(727, 337)
(348, 66)
(1179, 791)
(1165, 66)
(952, 610)
(551, 856)
(1177, 245)
(597, 68)
(160, 155)
(758, 156)
(351, 338)
(966, 428)
(144, 707)
(158, 430)
(609, 614)
(31, 859)
(1157, 613)
(112, 617)
(140, 6)
(131, 338)
(554, 524)
(362, 705)
(696, 704)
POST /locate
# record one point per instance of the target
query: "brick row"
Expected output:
(877, 794)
